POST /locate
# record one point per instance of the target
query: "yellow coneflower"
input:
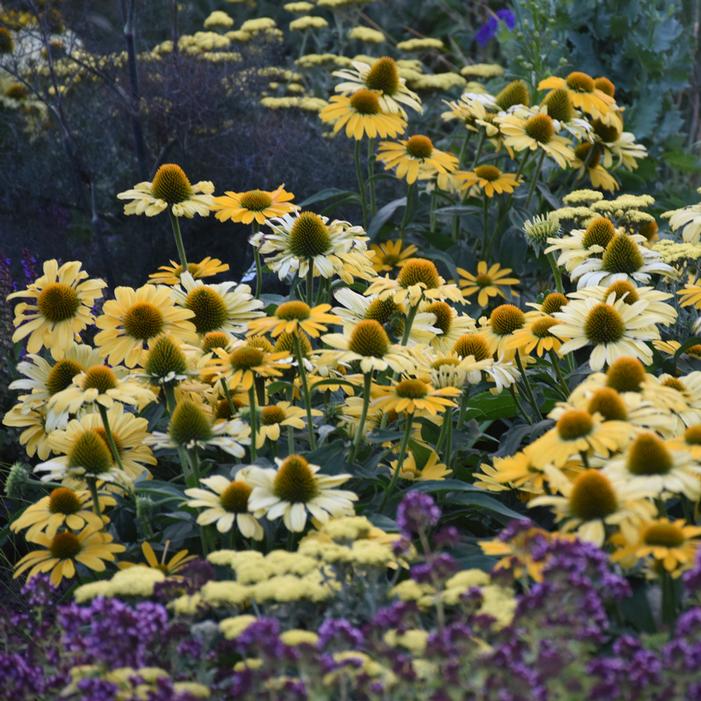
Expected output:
(170, 274)
(225, 503)
(361, 115)
(62, 551)
(671, 544)
(381, 76)
(535, 133)
(253, 205)
(134, 317)
(488, 179)
(487, 282)
(294, 316)
(241, 363)
(412, 395)
(592, 502)
(170, 189)
(63, 507)
(416, 158)
(58, 307)
(295, 490)
(272, 417)
(536, 336)
(391, 254)
(577, 432)
(587, 158)
(585, 94)
(169, 567)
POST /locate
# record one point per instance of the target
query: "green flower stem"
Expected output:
(371, 178)
(253, 420)
(463, 148)
(194, 458)
(175, 224)
(485, 219)
(367, 384)
(536, 175)
(555, 361)
(228, 397)
(448, 436)
(432, 211)
(410, 192)
(391, 485)
(169, 393)
(670, 600)
(409, 323)
(190, 479)
(310, 283)
(255, 228)
(480, 145)
(527, 385)
(361, 184)
(110, 438)
(305, 391)
(556, 273)
(519, 406)
(92, 486)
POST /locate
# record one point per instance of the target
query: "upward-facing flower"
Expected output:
(412, 395)
(225, 503)
(134, 317)
(226, 307)
(487, 179)
(254, 205)
(293, 316)
(487, 282)
(613, 327)
(172, 190)
(103, 385)
(416, 158)
(368, 344)
(304, 240)
(418, 279)
(383, 77)
(58, 307)
(170, 274)
(240, 364)
(535, 132)
(361, 115)
(585, 95)
(592, 502)
(391, 254)
(295, 490)
(62, 551)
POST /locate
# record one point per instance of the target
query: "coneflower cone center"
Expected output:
(506, 319)
(553, 302)
(626, 375)
(444, 315)
(61, 375)
(665, 535)
(540, 128)
(143, 320)
(63, 500)
(604, 325)
(170, 184)
(271, 415)
(384, 76)
(65, 546)
(608, 403)
(101, 378)
(411, 389)
(90, 452)
(592, 496)
(294, 481)
(209, 308)
(256, 200)
(369, 339)
(309, 236)
(473, 345)
(58, 302)
(581, 82)
(189, 423)
(622, 255)
(574, 424)
(234, 498)
(490, 173)
(419, 271)
(164, 358)
(648, 456)
(600, 232)
(365, 102)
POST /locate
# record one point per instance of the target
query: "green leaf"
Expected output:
(482, 500)
(384, 214)
(324, 195)
(493, 406)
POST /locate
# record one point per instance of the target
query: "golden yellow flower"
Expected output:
(412, 395)
(62, 551)
(585, 94)
(488, 179)
(690, 295)
(272, 416)
(241, 363)
(254, 205)
(431, 469)
(487, 282)
(292, 316)
(58, 308)
(670, 544)
(415, 158)
(63, 507)
(361, 115)
(167, 566)
(391, 254)
(134, 317)
(535, 336)
(170, 274)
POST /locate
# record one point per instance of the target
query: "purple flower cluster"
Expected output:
(417, 513)
(110, 632)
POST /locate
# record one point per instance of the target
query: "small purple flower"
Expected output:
(417, 512)
(490, 28)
